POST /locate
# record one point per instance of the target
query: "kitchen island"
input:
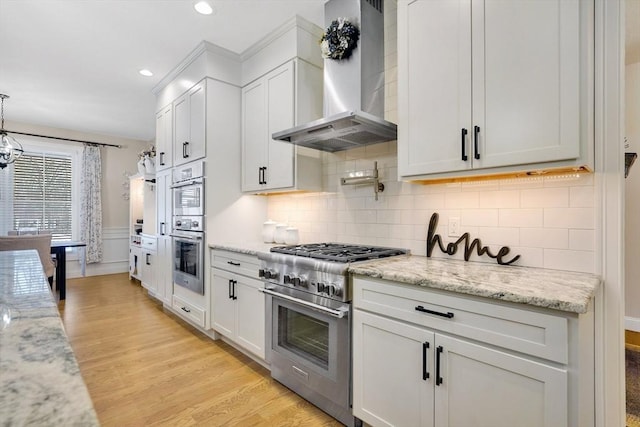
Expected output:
(40, 381)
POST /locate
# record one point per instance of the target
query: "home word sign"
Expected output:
(434, 239)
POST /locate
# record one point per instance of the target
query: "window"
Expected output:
(42, 194)
(41, 189)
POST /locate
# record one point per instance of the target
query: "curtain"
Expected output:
(91, 203)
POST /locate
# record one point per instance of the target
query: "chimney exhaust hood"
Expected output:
(353, 87)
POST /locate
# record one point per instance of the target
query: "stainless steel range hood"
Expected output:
(353, 87)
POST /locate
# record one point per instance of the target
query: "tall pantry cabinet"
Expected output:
(492, 86)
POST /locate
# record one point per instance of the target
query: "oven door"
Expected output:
(310, 347)
(188, 261)
(188, 198)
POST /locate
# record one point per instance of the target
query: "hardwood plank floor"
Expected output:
(146, 367)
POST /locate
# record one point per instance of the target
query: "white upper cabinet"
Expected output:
(284, 97)
(492, 86)
(189, 124)
(164, 138)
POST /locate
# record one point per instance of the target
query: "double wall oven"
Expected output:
(309, 317)
(188, 234)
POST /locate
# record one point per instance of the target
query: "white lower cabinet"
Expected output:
(409, 376)
(237, 307)
(148, 264)
(438, 372)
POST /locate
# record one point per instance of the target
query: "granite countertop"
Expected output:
(560, 290)
(248, 248)
(40, 382)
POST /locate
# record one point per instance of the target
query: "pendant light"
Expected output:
(10, 149)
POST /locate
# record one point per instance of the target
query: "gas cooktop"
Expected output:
(338, 252)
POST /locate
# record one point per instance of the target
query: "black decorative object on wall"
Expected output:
(434, 239)
(339, 40)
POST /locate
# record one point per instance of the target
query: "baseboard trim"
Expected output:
(97, 269)
(632, 324)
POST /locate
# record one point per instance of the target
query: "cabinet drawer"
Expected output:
(534, 333)
(149, 243)
(246, 265)
(189, 311)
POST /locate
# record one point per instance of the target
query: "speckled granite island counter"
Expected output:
(560, 290)
(247, 248)
(40, 382)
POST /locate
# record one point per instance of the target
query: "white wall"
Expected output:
(549, 221)
(117, 165)
(632, 201)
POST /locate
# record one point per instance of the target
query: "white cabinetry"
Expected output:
(142, 222)
(490, 86)
(148, 263)
(284, 97)
(164, 138)
(238, 308)
(189, 124)
(432, 358)
(164, 256)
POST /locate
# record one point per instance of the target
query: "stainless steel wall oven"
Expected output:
(188, 237)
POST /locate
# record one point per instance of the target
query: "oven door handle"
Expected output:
(186, 183)
(340, 313)
(179, 236)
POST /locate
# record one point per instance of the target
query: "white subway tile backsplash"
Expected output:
(556, 238)
(520, 217)
(569, 218)
(582, 240)
(500, 199)
(502, 236)
(466, 200)
(557, 197)
(558, 259)
(582, 197)
(429, 201)
(479, 217)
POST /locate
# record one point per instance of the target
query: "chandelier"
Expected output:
(10, 149)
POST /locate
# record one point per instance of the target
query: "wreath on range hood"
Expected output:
(339, 40)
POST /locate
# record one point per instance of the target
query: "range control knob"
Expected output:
(331, 290)
(267, 274)
(194, 224)
(287, 279)
(302, 281)
(320, 287)
(178, 223)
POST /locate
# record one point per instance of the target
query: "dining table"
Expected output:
(59, 249)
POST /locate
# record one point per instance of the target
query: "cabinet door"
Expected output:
(164, 268)
(488, 388)
(223, 315)
(135, 262)
(180, 128)
(163, 202)
(250, 312)
(148, 279)
(280, 116)
(164, 138)
(254, 142)
(526, 81)
(434, 86)
(196, 149)
(390, 360)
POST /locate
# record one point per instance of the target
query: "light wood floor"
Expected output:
(145, 367)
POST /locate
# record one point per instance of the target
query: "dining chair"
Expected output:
(39, 242)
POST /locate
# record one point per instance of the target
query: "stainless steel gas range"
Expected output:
(308, 319)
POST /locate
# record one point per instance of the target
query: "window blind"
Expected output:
(42, 189)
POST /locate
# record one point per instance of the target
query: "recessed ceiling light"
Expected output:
(146, 72)
(203, 7)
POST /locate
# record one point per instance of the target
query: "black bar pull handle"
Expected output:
(264, 175)
(147, 259)
(237, 264)
(230, 289)
(476, 132)
(186, 149)
(234, 296)
(425, 372)
(439, 350)
(162, 158)
(185, 309)
(448, 314)
(463, 133)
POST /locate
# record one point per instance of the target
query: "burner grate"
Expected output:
(338, 252)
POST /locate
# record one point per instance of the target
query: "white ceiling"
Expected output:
(73, 64)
